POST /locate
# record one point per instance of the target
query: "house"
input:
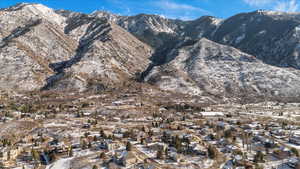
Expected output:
(281, 154)
(210, 137)
(39, 117)
(203, 131)
(141, 136)
(54, 142)
(108, 145)
(265, 141)
(294, 163)
(279, 133)
(242, 163)
(127, 158)
(295, 140)
(237, 159)
(229, 149)
(113, 165)
(11, 154)
(175, 156)
(146, 165)
(221, 125)
(222, 142)
(17, 114)
(199, 149)
(25, 157)
(155, 131)
(157, 146)
(246, 127)
(228, 165)
(86, 126)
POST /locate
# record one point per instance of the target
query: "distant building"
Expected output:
(212, 114)
(126, 158)
(10, 154)
(294, 163)
(282, 154)
(295, 140)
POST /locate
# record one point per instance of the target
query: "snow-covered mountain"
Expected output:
(249, 54)
(272, 37)
(43, 49)
(209, 68)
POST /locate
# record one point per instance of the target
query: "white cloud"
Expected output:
(259, 3)
(176, 6)
(183, 11)
(287, 6)
(169, 5)
(277, 5)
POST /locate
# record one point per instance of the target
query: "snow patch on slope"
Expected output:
(61, 164)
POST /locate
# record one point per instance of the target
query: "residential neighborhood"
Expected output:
(151, 84)
(109, 134)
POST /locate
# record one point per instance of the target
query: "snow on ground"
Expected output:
(240, 38)
(53, 124)
(150, 153)
(61, 164)
(293, 145)
(45, 12)
(212, 113)
(77, 134)
(80, 153)
(207, 163)
(283, 166)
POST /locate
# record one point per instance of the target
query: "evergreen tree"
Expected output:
(228, 133)
(1, 165)
(35, 155)
(83, 144)
(102, 155)
(177, 143)
(212, 152)
(259, 157)
(164, 137)
(143, 129)
(159, 154)
(295, 151)
(128, 146)
(8, 155)
(95, 138)
(166, 152)
(102, 134)
(70, 152)
(142, 141)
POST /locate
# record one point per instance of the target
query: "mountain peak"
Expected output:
(33, 11)
(271, 12)
(23, 5)
(104, 14)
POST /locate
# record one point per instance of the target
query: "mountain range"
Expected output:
(250, 55)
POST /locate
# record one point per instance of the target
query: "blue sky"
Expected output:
(182, 9)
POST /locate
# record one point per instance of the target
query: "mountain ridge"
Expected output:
(231, 31)
(42, 48)
(71, 45)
